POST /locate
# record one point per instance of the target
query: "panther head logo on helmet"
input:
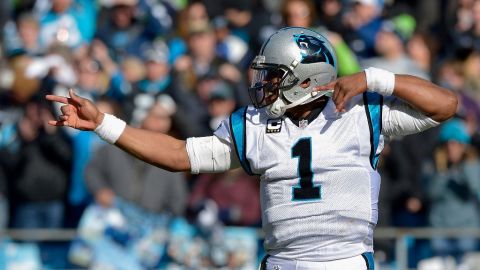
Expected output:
(313, 50)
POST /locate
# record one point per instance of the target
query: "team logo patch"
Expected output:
(313, 49)
(274, 125)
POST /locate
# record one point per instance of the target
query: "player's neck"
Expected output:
(303, 111)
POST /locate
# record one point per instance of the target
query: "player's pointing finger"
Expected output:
(60, 99)
(328, 86)
(56, 123)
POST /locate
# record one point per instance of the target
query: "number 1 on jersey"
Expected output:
(305, 191)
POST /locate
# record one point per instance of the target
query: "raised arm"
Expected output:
(155, 148)
(430, 99)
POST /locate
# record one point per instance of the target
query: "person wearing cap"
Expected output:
(122, 32)
(363, 21)
(205, 60)
(221, 103)
(454, 188)
(157, 79)
(390, 43)
(200, 65)
(125, 32)
(157, 76)
(201, 42)
(230, 46)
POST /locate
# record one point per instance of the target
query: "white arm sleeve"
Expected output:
(399, 118)
(210, 154)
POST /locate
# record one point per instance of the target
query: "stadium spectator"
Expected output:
(453, 189)
(460, 16)
(12, 101)
(363, 22)
(240, 16)
(195, 13)
(299, 13)
(202, 58)
(330, 15)
(464, 26)
(422, 48)
(22, 36)
(112, 172)
(221, 103)
(390, 46)
(230, 47)
(39, 171)
(194, 106)
(194, 73)
(122, 76)
(234, 192)
(67, 22)
(122, 33)
(472, 80)
(452, 75)
(157, 80)
(5, 11)
(125, 32)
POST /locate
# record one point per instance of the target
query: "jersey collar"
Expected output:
(303, 122)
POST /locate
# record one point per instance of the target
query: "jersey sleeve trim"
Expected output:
(238, 131)
(373, 108)
(368, 257)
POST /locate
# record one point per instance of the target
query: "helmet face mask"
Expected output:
(268, 80)
(288, 58)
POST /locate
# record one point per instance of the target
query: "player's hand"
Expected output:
(345, 88)
(78, 113)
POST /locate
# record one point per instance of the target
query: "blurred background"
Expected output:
(70, 201)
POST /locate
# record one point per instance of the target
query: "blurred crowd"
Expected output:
(179, 67)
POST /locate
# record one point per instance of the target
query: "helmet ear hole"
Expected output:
(305, 83)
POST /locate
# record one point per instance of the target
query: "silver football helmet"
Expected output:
(290, 57)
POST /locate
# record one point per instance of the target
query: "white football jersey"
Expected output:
(319, 184)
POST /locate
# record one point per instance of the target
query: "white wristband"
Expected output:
(111, 128)
(380, 81)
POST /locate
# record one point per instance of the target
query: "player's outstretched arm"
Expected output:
(432, 100)
(155, 148)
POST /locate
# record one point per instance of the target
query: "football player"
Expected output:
(313, 139)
